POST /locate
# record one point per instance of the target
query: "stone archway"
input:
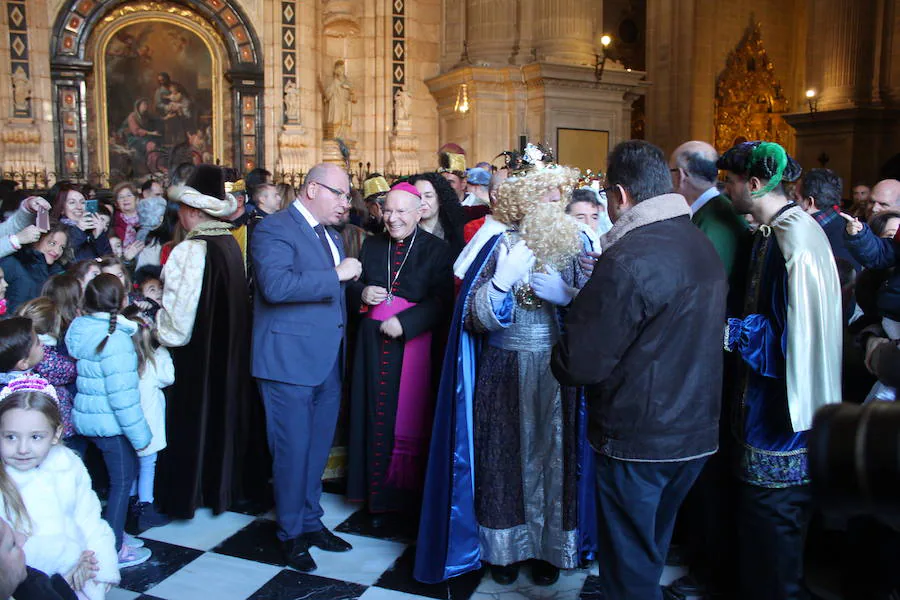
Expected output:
(72, 65)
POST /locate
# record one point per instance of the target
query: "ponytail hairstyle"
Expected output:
(145, 342)
(25, 399)
(104, 294)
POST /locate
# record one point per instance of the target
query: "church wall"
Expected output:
(423, 62)
(688, 42)
(26, 143)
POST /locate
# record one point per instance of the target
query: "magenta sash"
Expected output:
(415, 410)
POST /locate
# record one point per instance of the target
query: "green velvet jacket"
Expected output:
(724, 228)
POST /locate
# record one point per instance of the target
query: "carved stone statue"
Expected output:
(21, 89)
(291, 102)
(339, 98)
(401, 105)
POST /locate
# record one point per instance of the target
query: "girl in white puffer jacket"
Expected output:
(45, 493)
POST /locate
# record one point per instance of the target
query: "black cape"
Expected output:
(216, 425)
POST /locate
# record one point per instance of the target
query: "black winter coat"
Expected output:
(645, 336)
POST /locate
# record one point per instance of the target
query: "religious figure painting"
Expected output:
(159, 79)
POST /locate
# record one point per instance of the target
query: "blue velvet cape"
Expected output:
(448, 543)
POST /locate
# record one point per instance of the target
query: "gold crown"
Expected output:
(452, 163)
(375, 185)
(232, 187)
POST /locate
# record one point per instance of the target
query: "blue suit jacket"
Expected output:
(299, 312)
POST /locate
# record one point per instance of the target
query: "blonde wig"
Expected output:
(552, 235)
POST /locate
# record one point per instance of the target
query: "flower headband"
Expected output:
(29, 383)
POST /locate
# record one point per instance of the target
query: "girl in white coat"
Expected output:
(45, 493)
(156, 371)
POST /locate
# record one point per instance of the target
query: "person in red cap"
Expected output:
(406, 292)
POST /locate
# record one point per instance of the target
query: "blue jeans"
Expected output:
(121, 463)
(637, 503)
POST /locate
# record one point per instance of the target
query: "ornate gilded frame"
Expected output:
(123, 17)
(71, 67)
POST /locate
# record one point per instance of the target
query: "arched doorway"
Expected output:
(214, 113)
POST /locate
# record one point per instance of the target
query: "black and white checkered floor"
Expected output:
(235, 557)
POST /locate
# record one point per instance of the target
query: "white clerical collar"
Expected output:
(703, 199)
(306, 214)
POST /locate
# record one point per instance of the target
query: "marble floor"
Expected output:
(235, 556)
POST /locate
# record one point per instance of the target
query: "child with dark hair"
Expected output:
(66, 293)
(148, 284)
(85, 270)
(56, 367)
(20, 348)
(108, 403)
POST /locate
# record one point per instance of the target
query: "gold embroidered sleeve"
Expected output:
(183, 283)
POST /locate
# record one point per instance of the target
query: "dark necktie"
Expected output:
(323, 237)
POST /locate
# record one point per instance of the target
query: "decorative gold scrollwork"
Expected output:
(750, 100)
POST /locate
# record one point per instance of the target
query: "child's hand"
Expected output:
(84, 571)
(853, 224)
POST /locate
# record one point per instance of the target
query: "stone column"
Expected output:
(491, 31)
(563, 31)
(841, 53)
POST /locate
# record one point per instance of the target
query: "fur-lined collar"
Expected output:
(652, 210)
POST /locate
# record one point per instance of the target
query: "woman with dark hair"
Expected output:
(86, 230)
(28, 269)
(885, 224)
(442, 214)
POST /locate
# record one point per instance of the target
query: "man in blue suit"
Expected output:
(298, 335)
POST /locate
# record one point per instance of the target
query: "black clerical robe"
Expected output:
(426, 282)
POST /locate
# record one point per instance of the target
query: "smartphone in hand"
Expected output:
(91, 206)
(43, 219)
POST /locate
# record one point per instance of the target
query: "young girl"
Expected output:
(157, 372)
(66, 292)
(85, 270)
(45, 493)
(57, 368)
(114, 266)
(108, 403)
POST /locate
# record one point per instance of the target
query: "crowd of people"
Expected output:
(535, 369)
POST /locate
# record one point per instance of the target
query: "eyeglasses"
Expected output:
(345, 196)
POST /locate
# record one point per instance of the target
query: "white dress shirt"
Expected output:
(335, 255)
(703, 199)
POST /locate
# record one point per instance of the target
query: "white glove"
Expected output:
(512, 265)
(551, 288)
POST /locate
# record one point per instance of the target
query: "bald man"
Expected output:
(298, 337)
(694, 175)
(885, 196)
(406, 292)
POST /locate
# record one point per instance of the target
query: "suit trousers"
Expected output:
(772, 527)
(300, 422)
(637, 503)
